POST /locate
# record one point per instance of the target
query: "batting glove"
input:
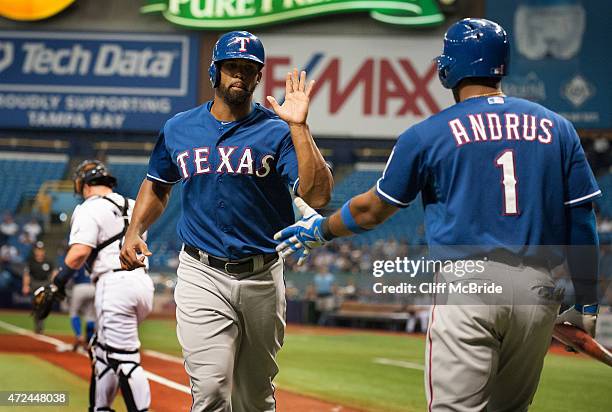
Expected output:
(581, 316)
(304, 235)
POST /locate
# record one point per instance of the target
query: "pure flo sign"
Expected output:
(240, 14)
(95, 80)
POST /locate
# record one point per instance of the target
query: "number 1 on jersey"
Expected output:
(506, 161)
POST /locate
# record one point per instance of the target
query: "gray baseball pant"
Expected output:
(488, 357)
(230, 329)
(82, 301)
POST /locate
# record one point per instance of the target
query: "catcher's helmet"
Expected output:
(235, 45)
(473, 48)
(93, 173)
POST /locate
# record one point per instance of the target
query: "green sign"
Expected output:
(229, 14)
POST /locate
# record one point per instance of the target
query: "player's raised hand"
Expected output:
(297, 98)
(303, 235)
(132, 246)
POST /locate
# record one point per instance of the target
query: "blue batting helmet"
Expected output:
(235, 45)
(473, 48)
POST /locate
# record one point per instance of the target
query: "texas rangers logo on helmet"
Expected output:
(243, 42)
(235, 45)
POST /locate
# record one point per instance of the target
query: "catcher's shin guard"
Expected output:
(99, 369)
(126, 389)
(120, 369)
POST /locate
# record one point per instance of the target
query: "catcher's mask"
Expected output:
(93, 173)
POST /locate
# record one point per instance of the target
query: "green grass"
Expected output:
(160, 335)
(339, 368)
(54, 324)
(29, 373)
(572, 383)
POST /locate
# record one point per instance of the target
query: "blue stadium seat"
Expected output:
(23, 177)
(405, 225)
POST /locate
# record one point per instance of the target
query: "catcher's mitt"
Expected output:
(44, 298)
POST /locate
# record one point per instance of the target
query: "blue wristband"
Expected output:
(592, 309)
(347, 219)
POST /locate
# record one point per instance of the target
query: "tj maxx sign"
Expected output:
(365, 87)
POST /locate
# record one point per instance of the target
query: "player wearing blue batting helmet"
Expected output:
(473, 48)
(237, 164)
(235, 45)
(510, 179)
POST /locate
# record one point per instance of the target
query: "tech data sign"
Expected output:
(230, 14)
(95, 80)
(374, 87)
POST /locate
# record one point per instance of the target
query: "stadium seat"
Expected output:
(605, 203)
(404, 225)
(16, 184)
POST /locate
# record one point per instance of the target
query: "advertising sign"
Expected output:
(106, 81)
(32, 9)
(374, 87)
(240, 14)
(559, 56)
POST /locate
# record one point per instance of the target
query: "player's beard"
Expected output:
(235, 96)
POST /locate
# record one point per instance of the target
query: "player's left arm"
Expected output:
(582, 239)
(315, 178)
(75, 259)
(315, 184)
(583, 263)
(46, 296)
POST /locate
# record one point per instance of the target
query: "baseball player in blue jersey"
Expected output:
(82, 299)
(502, 178)
(237, 163)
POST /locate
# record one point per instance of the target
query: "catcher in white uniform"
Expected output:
(123, 299)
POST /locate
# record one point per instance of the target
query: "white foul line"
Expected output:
(25, 332)
(58, 344)
(167, 382)
(401, 364)
(163, 356)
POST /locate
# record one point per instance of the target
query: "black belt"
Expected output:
(110, 349)
(126, 270)
(233, 267)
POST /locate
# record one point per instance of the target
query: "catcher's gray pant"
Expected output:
(82, 301)
(230, 329)
(489, 357)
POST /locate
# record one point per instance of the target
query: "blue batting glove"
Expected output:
(304, 235)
